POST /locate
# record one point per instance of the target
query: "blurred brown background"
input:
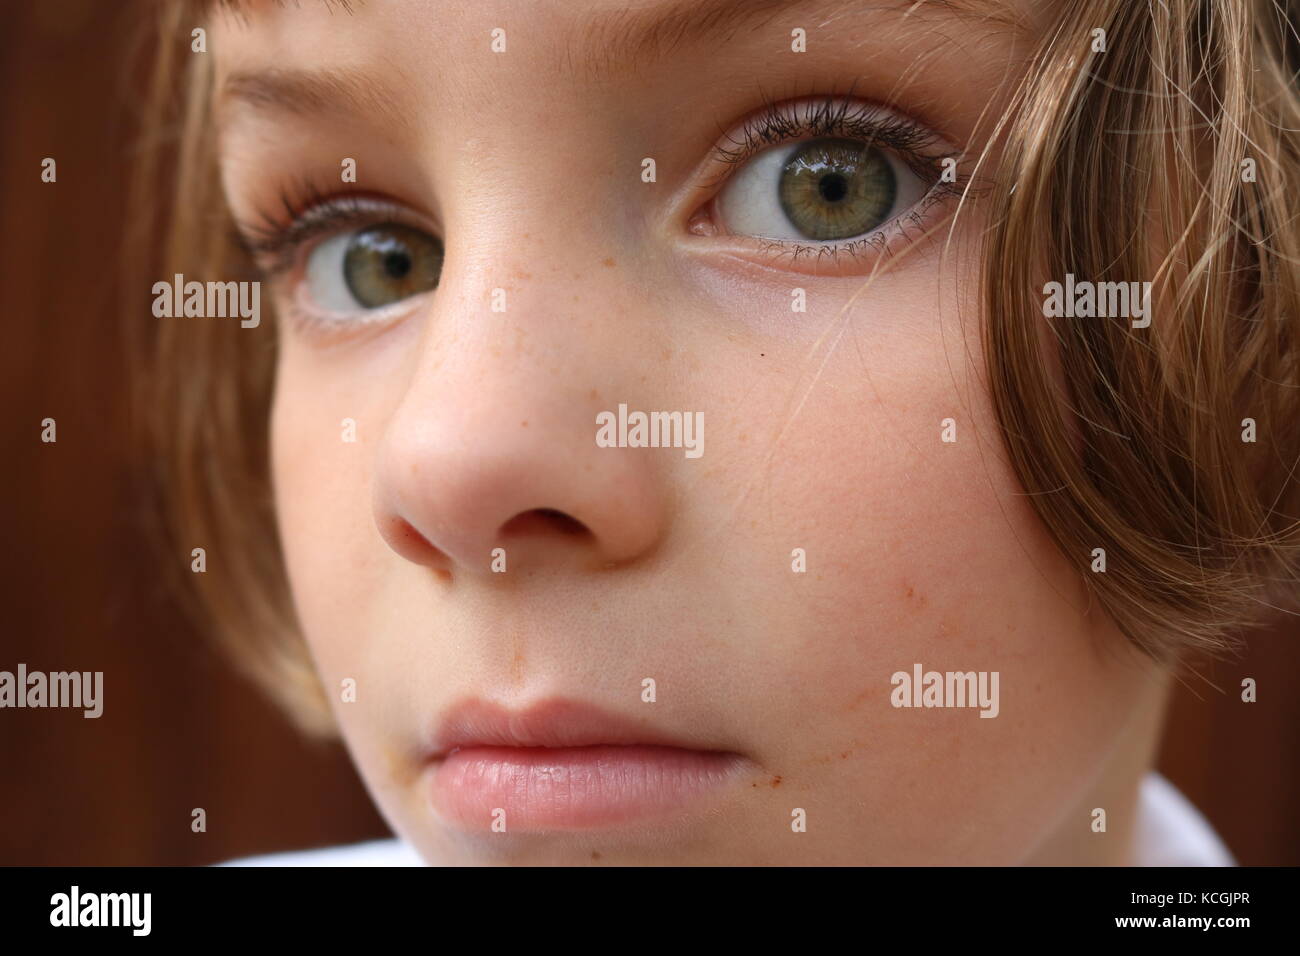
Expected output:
(81, 589)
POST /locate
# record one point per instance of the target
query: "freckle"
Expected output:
(776, 781)
(524, 423)
(594, 396)
(595, 855)
(861, 699)
(608, 263)
(668, 353)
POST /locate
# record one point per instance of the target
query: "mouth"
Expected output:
(562, 765)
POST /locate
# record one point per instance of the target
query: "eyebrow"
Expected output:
(624, 39)
(312, 92)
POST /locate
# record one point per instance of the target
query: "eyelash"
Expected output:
(813, 118)
(275, 238)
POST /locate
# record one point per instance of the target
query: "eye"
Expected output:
(821, 190)
(373, 267)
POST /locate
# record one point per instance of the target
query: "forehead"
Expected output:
(403, 61)
(577, 33)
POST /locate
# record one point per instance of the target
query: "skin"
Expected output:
(822, 432)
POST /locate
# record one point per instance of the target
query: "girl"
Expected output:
(739, 431)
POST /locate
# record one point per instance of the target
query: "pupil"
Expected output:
(833, 187)
(397, 264)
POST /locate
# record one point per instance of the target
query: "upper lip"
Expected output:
(549, 723)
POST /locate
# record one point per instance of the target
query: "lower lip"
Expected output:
(573, 788)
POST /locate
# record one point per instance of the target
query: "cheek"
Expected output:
(323, 433)
(322, 437)
(921, 551)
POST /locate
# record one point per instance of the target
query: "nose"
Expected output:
(485, 453)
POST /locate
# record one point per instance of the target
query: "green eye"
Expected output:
(386, 263)
(366, 269)
(820, 190)
(837, 189)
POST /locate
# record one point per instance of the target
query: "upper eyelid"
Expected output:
(813, 116)
(276, 243)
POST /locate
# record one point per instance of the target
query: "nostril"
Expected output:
(541, 521)
(404, 538)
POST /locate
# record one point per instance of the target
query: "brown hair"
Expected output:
(1135, 164)
(204, 399)
(1121, 165)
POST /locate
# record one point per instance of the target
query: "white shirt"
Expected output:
(1172, 832)
(1169, 830)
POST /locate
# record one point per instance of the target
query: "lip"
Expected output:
(563, 765)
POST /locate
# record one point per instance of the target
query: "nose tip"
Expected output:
(547, 500)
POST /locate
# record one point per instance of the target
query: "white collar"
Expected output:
(1171, 832)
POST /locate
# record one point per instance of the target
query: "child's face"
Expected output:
(571, 286)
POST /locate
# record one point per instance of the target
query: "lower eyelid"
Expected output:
(847, 256)
(313, 321)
